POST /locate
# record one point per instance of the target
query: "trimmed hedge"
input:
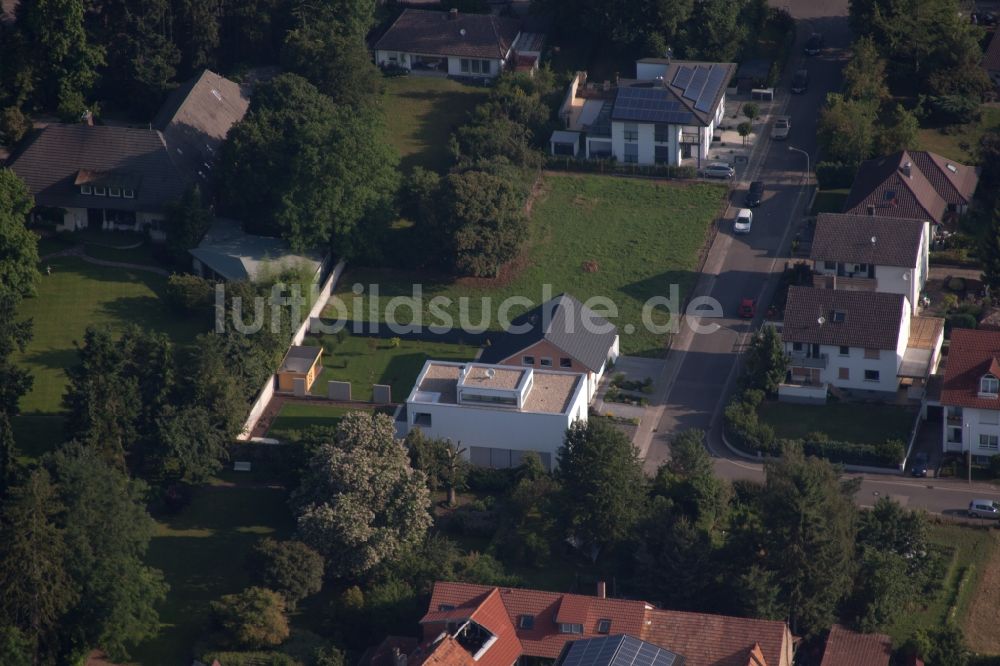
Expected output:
(560, 163)
(835, 175)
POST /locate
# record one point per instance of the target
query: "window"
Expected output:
(954, 435)
(446, 607)
(86, 189)
(565, 362)
(527, 360)
(796, 346)
(525, 621)
(991, 442)
(631, 153)
(871, 375)
(604, 626)
(661, 154)
(465, 65)
(830, 265)
(631, 132)
(546, 362)
(839, 316)
(843, 373)
(114, 191)
(422, 419)
(570, 628)
(845, 350)
(100, 191)
(661, 133)
(128, 193)
(872, 354)
(486, 67)
(989, 385)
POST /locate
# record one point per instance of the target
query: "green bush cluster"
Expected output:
(744, 427)
(835, 175)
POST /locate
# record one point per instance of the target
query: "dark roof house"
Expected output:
(620, 650)
(429, 32)
(971, 356)
(912, 184)
(564, 322)
(870, 320)
(865, 239)
(991, 60)
(849, 648)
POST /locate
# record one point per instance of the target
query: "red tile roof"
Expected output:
(848, 648)
(717, 640)
(491, 614)
(446, 652)
(971, 355)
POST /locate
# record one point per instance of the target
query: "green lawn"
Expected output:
(861, 423)
(364, 361)
(422, 112)
(298, 416)
(968, 551)
(202, 552)
(963, 140)
(829, 201)
(620, 238)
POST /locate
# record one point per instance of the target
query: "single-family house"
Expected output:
(497, 412)
(230, 254)
(991, 59)
(299, 369)
(124, 178)
(454, 43)
(561, 333)
(915, 184)
(849, 648)
(872, 253)
(471, 624)
(859, 340)
(666, 115)
(970, 394)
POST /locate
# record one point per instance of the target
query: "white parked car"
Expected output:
(744, 219)
(719, 170)
(782, 126)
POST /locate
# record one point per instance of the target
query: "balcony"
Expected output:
(803, 360)
(690, 137)
(955, 420)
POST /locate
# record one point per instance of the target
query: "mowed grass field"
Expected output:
(422, 112)
(962, 141)
(861, 423)
(627, 240)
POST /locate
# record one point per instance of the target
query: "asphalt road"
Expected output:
(701, 367)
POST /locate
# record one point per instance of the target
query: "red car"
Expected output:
(748, 308)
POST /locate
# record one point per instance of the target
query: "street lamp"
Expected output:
(799, 150)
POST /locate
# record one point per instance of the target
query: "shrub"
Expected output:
(751, 110)
(960, 320)
(949, 301)
(956, 284)
(743, 424)
(253, 618)
(835, 175)
(291, 568)
(13, 125)
(482, 479)
(189, 293)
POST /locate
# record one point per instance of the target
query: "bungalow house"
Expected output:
(666, 115)
(497, 413)
(479, 624)
(859, 340)
(970, 394)
(229, 254)
(561, 333)
(456, 44)
(872, 253)
(849, 648)
(991, 60)
(123, 177)
(914, 184)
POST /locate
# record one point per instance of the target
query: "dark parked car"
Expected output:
(800, 81)
(919, 465)
(814, 44)
(754, 194)
(984, 18)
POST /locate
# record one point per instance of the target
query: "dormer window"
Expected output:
(128, 193)
(604, 626)
(839, 316)
(100, 191)
(989, 385)
(86, 189)
(114, 191)
(570, 628)
(525, 621)
(446, 607)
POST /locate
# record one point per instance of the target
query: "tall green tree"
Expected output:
(846, 130)
(291, 568)
(15, 648)
(37, 588)
(8, 455)
(603, 486)
(253, 618)
(989, 251)
(360, 503)
(810, 522)
(765, 363)
(18, 245)
(15, 334)
(306, 169)
(187, 222)
(899, 132)
(864, 74)
(688, 480)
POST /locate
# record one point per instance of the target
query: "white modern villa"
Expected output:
(666, 115)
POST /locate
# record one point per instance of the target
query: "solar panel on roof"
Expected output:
(711, 89)
(681, 77)
(620, 650)
(697, 84)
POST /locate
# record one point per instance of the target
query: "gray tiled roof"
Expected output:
(432, 32)
(870, 319)
(53, 158)
(562, 321)
(235, 255)
(848, 238)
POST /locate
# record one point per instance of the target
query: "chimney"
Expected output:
(87, 118)
(908, 169)
(453, 14)
(871, 210)
(602, 590)
(398, 658)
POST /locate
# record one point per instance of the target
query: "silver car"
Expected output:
(718, 170)
(984, 508)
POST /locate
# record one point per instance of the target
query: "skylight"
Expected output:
(951, 167)
(839, 316)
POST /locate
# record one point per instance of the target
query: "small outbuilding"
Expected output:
(300, 362)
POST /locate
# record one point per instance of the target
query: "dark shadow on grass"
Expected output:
(56, 359)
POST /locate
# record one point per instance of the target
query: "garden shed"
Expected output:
(300, 363)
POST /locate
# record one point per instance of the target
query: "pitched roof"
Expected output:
(52, 160)
(933, 183)
(620, 650)
(848, 238)
(235, 255)
(543, 639)
(991, 60)
(196, 118)
(716, 640)
(430, 32)
(703, 640)
(688, 93)
(564, 322)
(849, 648)
(849, 318)
(971, 355)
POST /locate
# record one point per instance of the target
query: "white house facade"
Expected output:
(970, 394)
(497, 413)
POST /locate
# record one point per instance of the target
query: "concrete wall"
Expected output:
(802, 394)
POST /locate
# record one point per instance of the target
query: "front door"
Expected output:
(95, 218)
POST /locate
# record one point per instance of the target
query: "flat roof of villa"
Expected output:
(551, 392)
